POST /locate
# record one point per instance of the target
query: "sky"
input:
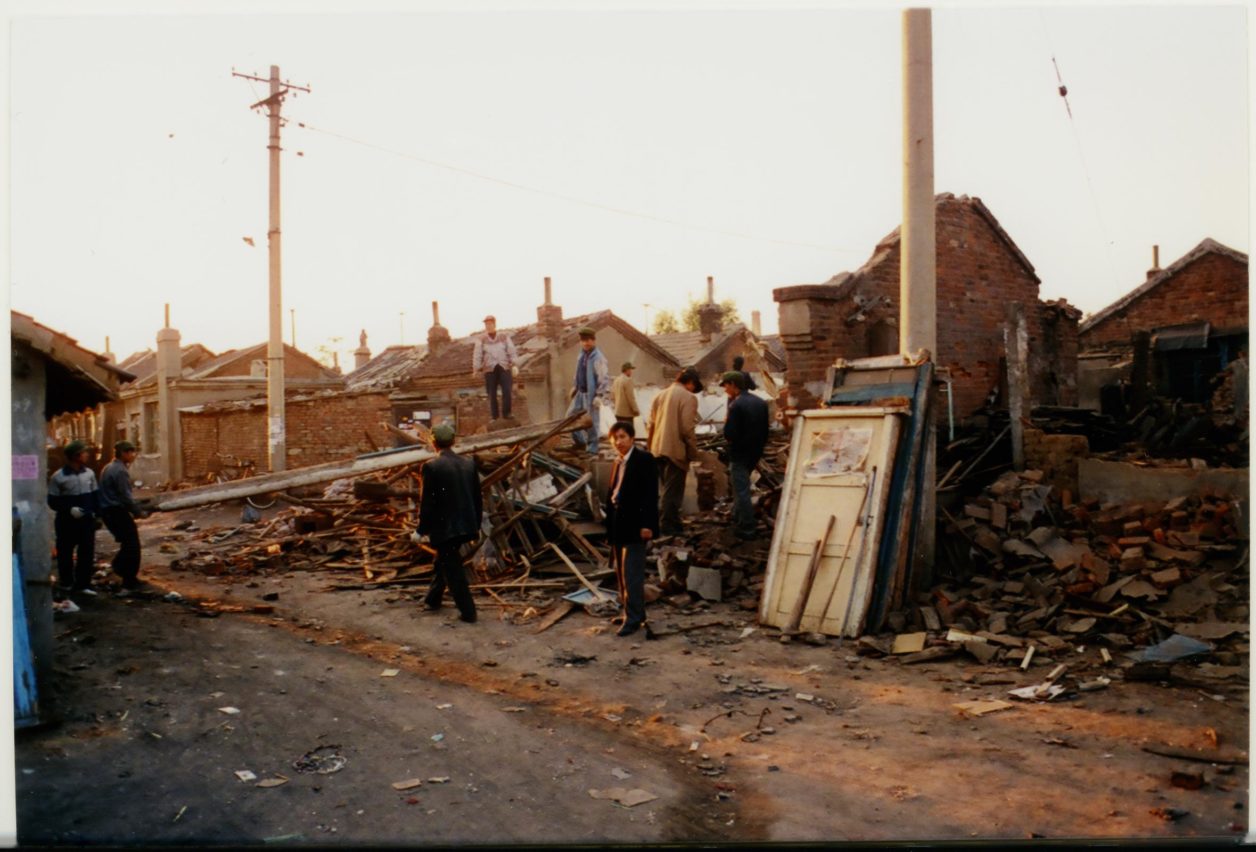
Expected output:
(460, 154)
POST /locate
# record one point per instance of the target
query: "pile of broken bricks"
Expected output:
(1097, 590)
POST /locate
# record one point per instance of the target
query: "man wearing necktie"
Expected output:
(632, 520)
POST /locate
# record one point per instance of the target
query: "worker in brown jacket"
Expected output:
(624, 395)
(673, 441)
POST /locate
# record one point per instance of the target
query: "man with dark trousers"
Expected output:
(449, 516)
(746, 429)
(119, 509)
(73, 495)
(632, 520)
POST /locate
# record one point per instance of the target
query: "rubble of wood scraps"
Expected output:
(1144, 591)
(544, 552)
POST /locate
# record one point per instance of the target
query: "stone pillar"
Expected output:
(362, 354)
(814, 334)
(550, 317)
(437, 336)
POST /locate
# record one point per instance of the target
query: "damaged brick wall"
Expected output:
(323, 429)
(1057, 456)
(979, 273)
(1212, 289)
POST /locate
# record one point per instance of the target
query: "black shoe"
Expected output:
(428, 606)
(629, 629)
(468, 617)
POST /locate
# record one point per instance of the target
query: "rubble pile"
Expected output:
(1049, 580)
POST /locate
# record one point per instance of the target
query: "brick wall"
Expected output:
(1212, 288)
(324, 429)
(978, 276)
(1057, 456)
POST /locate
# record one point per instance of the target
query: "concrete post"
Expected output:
(276, 439)
(1016, 341)
(169, 369)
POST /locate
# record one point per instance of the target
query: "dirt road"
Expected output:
(738, 736)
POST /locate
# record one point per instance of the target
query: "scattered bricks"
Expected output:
(1132, 528)
(998, 623)
(1180, 520)
(1032, 475)
(998, 516)
(1098, 569)
(1080, 589)
(1133, 541)
(1175, 504)
(1168, 554)
(1183, 539)
(988, 540)
(1167, 577)
(1133, 559)
(979, 512)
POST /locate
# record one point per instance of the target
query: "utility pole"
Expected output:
(292, 312)
(276, 432)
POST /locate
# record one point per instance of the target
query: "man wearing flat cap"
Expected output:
(624, 394)
(119, 509)
(746, 429)
(590, 388)
(494, 357)
(450, 513)
(73, 495)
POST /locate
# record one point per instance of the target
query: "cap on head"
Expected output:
(73, 448)
(586, 332)
(732, 377)
(627, 365)
(690, 375)
(443, 435)
(123, 447)
(490, 318)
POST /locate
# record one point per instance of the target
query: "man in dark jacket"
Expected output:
(73, 495)
(449, 515)
(632, 520)
(746, 429)
(119, 509)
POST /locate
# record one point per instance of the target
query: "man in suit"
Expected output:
(673, 440)
(632, 520)
(449, 515)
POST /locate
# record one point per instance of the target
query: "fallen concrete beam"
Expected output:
(315, 474)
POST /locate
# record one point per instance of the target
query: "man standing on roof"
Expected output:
(495, 357)
(73, 495)
(746, 429)
(672, 430)
(590, 388)
(119, 509)
(625, 394)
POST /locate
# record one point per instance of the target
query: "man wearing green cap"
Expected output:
(624, 394)
(73, 495)
(450, 513)
(590, 388)
(119, 509)
(746, 428)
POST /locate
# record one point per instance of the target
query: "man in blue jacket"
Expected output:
(449, 515)
(590, 388)
(746, 429)
(73, 495)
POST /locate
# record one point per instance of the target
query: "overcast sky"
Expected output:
(462, 156)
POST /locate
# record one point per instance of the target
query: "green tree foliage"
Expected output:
(689, 319)
(665, 323)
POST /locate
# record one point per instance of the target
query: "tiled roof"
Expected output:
(1206, 246)
(207, 369)
(689, 349)
(387, 369)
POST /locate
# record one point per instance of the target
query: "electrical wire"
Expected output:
(574, 200)
(1081, 155)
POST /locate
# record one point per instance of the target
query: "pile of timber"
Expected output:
(1050, 581)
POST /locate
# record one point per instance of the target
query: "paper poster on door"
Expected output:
(838, 450)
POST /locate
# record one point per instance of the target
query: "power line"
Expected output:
(1081, 155)
(574, 200)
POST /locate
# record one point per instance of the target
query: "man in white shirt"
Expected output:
(494, 358)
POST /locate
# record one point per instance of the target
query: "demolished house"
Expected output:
(1189, 320)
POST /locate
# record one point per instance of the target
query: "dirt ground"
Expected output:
(737, 736)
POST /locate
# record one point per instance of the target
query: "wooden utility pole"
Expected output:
(276, 440)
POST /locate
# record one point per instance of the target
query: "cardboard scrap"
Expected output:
(408, 784)
(623, 796)
(277, 781)
(245, 775)
(909, 643)
(390, 672)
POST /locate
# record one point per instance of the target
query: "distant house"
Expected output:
(980, 272)
(175, 377)
(51, 375)
(1194, 314)
(712, 352)
(442, 388)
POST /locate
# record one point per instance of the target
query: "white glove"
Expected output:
(419, 540)
(76, 512)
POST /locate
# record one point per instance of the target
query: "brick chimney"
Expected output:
(167, 440)
(710, 315)
(550, 316)
(362, 354)
(437, 336)
(755, 325)
(1155, 263)
(107, 354)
